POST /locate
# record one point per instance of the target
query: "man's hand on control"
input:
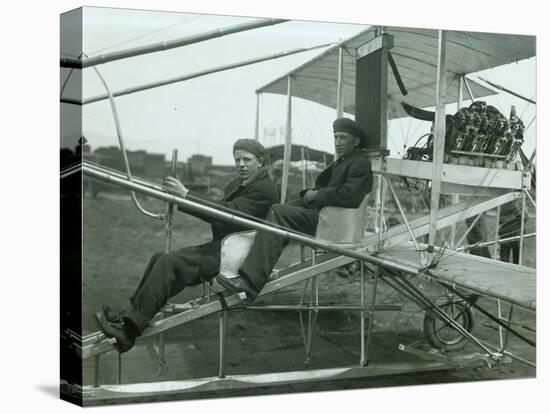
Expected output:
(174, 186)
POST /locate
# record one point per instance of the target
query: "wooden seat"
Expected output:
(336, 225)
(343, 225)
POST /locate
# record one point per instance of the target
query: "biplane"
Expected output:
(471, 163)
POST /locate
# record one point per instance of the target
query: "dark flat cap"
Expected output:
(351, 127)
(250, 145)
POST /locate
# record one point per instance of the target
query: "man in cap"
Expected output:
(251, 193)
(344, 183)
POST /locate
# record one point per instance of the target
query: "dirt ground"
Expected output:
(118, 241)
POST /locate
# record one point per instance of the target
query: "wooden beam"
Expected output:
(464, 175)
(288, 142)
(257, 122)
(340, 89)
(439, 135)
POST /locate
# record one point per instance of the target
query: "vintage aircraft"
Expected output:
(379, 74)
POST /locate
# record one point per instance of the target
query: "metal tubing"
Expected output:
(97, 374)
(469, 229)
(497, 226)
(122, 146)
(498, 321)
(198, 74)
(502, 88)
(312, 314)
(363, 358)
(505, 240)
(223, 332)
(381, 216)
(170, 211)
(389, 282)
(531, 159)
(440, 313)
(507, 333)
(119, 368)
(522, 229)
(460, 93)
(162, 350)
(500, 333)
(401, 211)
(472, 98)
(288, 141)
(320, 308)
(214, 213)
(530, 198)
(439, 136)
(371, 313)
(161, 46)
(511, 355)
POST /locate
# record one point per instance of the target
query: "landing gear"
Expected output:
(439, 334)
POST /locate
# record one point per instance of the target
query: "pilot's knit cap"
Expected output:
(250, 145)
(351, 127)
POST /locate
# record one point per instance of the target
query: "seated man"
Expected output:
(345, 183)
(167, 274)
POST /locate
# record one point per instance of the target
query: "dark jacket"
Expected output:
(252, 197)
(344, 183)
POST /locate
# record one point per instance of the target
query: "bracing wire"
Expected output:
(152, 32)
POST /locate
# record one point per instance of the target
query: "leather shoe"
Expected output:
(238, 284)
(112, 316)
(124, 340)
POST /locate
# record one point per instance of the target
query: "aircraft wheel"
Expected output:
(440, 335)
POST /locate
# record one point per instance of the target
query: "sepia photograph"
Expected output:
(257, 205)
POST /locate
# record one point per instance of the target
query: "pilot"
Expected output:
(344, 183)
(251, 192)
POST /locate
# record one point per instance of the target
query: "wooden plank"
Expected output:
(453, 173)
(512, 283)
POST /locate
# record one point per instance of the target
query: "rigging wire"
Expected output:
(152, 32)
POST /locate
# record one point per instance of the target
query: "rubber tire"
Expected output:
(431, 330)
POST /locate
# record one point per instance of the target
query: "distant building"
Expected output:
(142, 163)
(199, 164)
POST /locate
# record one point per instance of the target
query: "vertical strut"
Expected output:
(363, 359)
(223, 335)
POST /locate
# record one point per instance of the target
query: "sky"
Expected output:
(207, 114)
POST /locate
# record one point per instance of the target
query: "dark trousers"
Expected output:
(507, 248)
(166, 275)
(267, 248)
